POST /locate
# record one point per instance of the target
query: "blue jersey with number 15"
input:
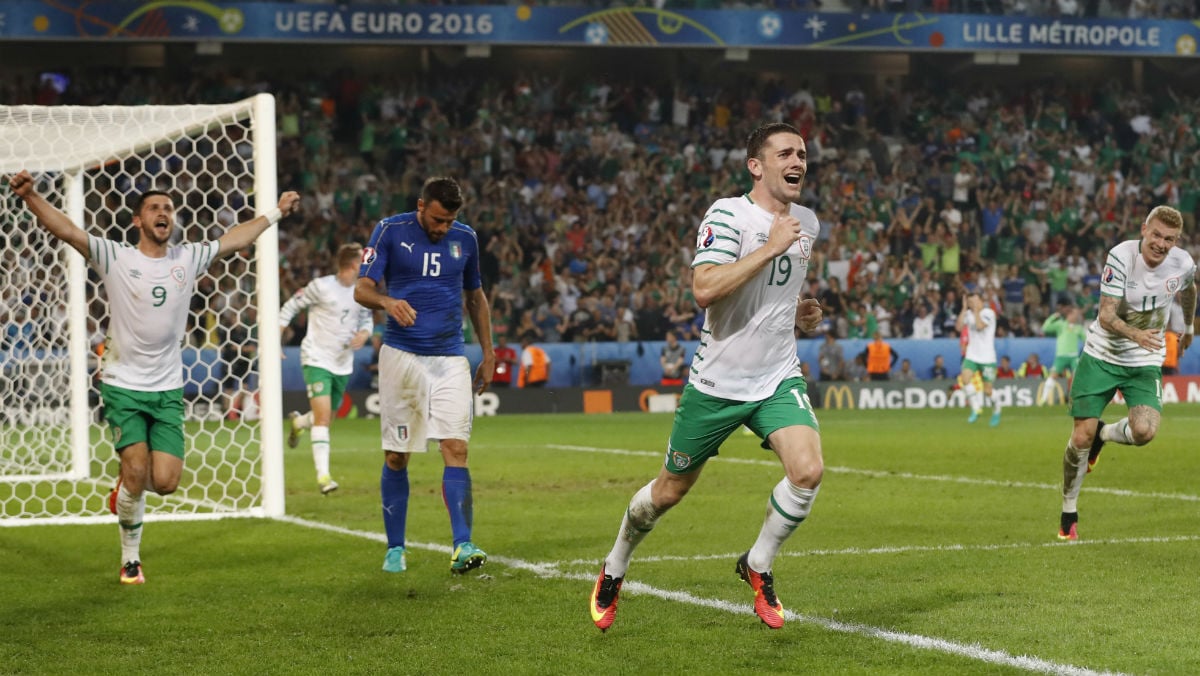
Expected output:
(430, 276)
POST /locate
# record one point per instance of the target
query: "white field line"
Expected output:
(858, 551)
(969, 651)
(880, 474)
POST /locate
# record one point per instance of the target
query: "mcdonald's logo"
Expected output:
(838, 396)
(1050, 393)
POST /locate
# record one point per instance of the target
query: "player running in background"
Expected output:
(749, 271)
(1070, 333)
(1125, 349)
(149, 288)
(427, 260)
(980, 357)
(337, 326)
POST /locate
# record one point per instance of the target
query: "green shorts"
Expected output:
(321, 383)
(1065, 364)
(986, 371)
(152, 417)
(703, 422)
(1096, 382)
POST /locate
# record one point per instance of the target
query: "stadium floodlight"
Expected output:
(57, 462)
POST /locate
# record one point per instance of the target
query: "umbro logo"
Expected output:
(408, 246)
(136, 274)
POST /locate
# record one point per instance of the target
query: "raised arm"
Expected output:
(243, 235)
(54, 221)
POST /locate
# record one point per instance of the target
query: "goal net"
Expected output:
(57, 462)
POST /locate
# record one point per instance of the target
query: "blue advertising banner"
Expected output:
(190, 20)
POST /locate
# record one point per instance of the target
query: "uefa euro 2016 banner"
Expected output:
(189, 20)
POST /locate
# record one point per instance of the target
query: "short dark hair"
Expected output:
(758, 138)
(444, 191)
(141, 199)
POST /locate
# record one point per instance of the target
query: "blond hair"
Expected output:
(349, 254)
(1168, 216)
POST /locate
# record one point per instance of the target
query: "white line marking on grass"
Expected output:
(880, 474)
(907, 549)
(969, 651)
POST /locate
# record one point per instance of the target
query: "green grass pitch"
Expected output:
(930, 550)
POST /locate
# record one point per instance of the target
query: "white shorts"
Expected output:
(423, 398)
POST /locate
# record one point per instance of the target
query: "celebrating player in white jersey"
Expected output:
(980, 323)
(149, 288)
(752, 254)
(1125, 348)
(337, 326)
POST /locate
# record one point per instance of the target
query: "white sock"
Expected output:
(639, 520)
(320, 449)
(303, 422)
(995, 403)
(1118, 432)
(131, 512)
(969, 396)
(788, 508)
(1074, 469)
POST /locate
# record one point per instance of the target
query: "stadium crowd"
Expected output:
(586, 193)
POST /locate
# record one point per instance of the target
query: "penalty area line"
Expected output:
(969, 651)
(886, 474)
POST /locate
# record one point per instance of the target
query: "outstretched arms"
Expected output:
(54, 221)
(243, 235)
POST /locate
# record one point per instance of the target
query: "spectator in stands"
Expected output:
(922, 326)
(831, 358)
(237, 334)
(1031, 367)
(857, 370)
(673, 361)
(535, 364)
(879, 357)
(905, 373)
(1005, 369)
(506, 363)
(938, 370)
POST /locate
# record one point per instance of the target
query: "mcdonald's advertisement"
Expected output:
(1020, 392)
(635, 26)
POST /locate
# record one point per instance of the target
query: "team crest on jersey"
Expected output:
(1108, 275)
(455, 250)
(368, 255)
(681, 460)
(1172, 285)
(178, 275)
(805, 246)
(402, 432)
(706, 238)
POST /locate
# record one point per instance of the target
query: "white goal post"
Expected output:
(57, 462)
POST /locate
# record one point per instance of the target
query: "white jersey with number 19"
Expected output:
(149, 300)
(748, 346)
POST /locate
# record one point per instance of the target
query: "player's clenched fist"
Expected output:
(785, 230)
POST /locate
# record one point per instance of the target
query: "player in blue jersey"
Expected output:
(426, 261)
